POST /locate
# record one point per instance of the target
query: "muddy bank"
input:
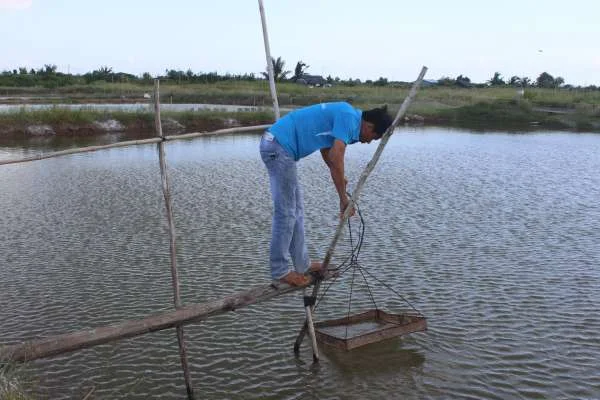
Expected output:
(494, 116)
(132, 126)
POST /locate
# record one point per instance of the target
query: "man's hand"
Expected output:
(343, 204)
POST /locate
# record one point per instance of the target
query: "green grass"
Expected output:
(11, 384)
(80, 122)
(245, 118)
(53, 115)
(257, 93)
(497, 106)
(494, 113)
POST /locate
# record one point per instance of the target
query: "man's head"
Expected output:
(374, 123)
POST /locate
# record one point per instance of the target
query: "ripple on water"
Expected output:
(493, 237)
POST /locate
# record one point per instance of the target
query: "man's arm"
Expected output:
(334, 158)
(325, 155)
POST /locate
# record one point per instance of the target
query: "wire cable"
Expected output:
(351, 262)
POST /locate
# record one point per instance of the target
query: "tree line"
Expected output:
(48, 76)
(544, 80)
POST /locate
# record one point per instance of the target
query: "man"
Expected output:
(328, 127)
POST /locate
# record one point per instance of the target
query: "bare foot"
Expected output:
(295, 279)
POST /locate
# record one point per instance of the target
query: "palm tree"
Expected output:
(545, 80)
(105, 73)
(496, 80)
(49, 69)
(515, 81)
(105, 70)
(278, 73)
(558, 81)
(300, 69)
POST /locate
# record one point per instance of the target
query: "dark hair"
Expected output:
(379, 117)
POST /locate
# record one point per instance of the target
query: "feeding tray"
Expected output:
(368, 327)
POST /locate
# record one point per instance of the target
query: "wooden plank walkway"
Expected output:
(68, 342)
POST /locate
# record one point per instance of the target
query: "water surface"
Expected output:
(494, 237)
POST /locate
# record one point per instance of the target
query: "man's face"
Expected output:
(367, 132)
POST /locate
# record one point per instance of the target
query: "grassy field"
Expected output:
(257, 93)
(493, 107)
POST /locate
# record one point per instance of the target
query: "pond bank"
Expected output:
(87, 122)
(498, 115)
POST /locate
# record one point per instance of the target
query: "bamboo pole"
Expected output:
(136, 142)
(79, 150)
(89, 394)
(263, 20)
(277, 116)
(311, 327)
(240, 129)
(357, 190)
(52, 346)
(172, 249)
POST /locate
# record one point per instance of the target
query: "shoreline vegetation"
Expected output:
(479, 108)
(11, 385)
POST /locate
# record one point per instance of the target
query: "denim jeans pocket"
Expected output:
(269, 156)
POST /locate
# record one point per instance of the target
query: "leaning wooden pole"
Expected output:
(169, 211)
(357, 190)
(277, 116)
(269, 61)
(56, 345)
(183, 136)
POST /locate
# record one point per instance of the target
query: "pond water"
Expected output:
(493, 237)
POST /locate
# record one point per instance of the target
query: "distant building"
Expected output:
(312, 80)
(429, 82)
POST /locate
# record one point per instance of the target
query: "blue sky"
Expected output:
(345, 38)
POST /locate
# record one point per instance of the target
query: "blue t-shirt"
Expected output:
(303, 131)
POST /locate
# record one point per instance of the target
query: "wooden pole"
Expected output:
(52, 346)
(269, 60)
(173, 251)
(61, 153)
(277, 116)
(357, 190)
(311, 327)
(241, 129)
(79, 150)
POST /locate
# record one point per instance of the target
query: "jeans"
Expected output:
(287, 231)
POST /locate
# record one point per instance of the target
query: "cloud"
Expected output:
(15, 4)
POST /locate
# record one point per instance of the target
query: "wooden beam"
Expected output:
(134, 142)
(225, 131)
(34, 349)
(79, 150)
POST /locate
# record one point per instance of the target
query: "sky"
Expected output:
(344, 38)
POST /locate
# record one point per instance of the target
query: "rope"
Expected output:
(394, 291)
(351, 262)
(359, 246)
(350, 298)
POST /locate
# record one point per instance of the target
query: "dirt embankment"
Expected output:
(136, 127)
(500, 115)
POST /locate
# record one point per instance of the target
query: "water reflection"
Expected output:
(386, 356)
